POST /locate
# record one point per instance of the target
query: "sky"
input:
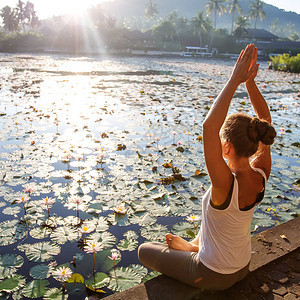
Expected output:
(47, 8)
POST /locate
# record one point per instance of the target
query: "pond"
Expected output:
(98, 155)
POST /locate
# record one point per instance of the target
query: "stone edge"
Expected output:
(267, 247)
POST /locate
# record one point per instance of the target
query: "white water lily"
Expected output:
(62, 273)
(120, 209)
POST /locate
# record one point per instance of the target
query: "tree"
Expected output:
(165, 33)
(21, 13)
(256, 10)
(241, 23)
(30, 15)
(151, 10)
(200, 24)
(9, 18)
(215, 7)
(232, 8)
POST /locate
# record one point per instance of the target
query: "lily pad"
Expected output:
(182, 229)
(75, 277)
(9, 264)
(155, 232)
(11, 210)
(62, 235)
(123, 279)
(40, 271)
(40, 232)
(12, 284)
(142, 218)
(40, 252)
(35, 289)
(129, 245)
(55, 294)
(98, 281)
(106, 238)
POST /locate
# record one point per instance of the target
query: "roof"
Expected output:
(260, 34)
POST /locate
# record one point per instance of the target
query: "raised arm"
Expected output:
(258, 101)
(262, 159)
(218, 170)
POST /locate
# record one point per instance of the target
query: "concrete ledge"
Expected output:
(268, 248)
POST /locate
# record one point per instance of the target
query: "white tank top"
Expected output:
(224, 236)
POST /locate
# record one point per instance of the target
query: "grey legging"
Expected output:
(185, 266)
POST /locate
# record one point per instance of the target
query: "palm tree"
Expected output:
(241, 23)
(233, 7)
(215, 7)
(164, 33)
(200, 24)
(256, 10)
(9, 18)
(30, 14)
(21, 13)
(151, 10)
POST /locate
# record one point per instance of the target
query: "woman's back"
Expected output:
(251, 184)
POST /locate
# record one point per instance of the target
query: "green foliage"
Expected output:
(286, 63)
(29, 41)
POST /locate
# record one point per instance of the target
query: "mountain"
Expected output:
(188, 8)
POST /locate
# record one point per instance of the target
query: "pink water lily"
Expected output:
(29, 189)
(120, 209)
(22, 199)
(62, 273)
(115, 255)
(86, 229)
(47, 202)
(193, 218)
(77, 201)
(93, 247)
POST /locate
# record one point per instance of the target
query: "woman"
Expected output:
(220, 254)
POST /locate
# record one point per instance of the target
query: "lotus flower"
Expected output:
(193, 219)
(115, 255)
(93, 247)
(120, 209)
(47, 202)
(62, 273)
(86, 229)
(77, 201)
(23, 200)
(29, 189)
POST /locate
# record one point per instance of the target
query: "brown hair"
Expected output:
(244, 133)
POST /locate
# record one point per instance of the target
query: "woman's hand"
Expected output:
(253, 67)
(245, 67)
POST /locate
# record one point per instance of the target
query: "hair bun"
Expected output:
(260, 130)
(252, 131)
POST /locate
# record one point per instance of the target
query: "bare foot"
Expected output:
(177, 243)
